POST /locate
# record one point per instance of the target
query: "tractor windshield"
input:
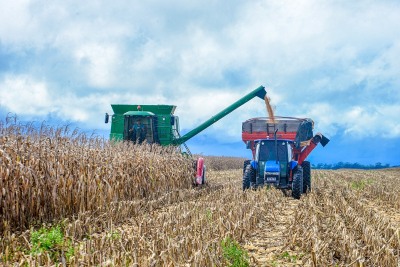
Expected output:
(267, 151)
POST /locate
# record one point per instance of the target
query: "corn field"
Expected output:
(118, 204)
(51, 173)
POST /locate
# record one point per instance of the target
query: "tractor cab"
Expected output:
(273, 159)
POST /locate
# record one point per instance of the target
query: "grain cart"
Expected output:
(280, 146)
(159, 125)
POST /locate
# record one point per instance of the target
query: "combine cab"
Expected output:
(280, 147)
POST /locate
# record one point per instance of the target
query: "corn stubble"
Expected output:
(351, 219)
(223, 163)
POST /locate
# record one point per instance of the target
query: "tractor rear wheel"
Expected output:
(306, 176)
(248, 176)
(297, 184)
(245, 163)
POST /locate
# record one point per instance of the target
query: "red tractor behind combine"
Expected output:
(280, 147)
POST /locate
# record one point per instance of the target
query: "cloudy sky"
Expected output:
(336, 62)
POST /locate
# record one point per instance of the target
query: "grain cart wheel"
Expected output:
(194, 165)
(306, 176)
(200, 169)
(248, 176)
(203, 180)
(297, 184)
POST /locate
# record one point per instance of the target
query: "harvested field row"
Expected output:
(220, 163)
(343, 222)
(338, 224)
(186, 230)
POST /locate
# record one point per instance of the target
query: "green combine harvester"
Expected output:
(157, 124)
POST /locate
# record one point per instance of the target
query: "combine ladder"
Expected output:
(184, 144)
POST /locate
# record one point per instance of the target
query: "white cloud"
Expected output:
(15, 21)
(372, 121)
(328, 60)
(23, 95)
(99, 62)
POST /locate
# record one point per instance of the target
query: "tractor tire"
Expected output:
(245, 163)
(203, 180)
(306, 176)
(253, 180)
(297, 184)
(248, 176)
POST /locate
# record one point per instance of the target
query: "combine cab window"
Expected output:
(146, 125)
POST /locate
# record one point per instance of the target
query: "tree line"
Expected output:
(349, 165)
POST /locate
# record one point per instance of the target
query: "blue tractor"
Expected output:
(280, 148)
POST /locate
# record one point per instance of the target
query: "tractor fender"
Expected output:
(293, 164)
(254, 164)
(199, 171)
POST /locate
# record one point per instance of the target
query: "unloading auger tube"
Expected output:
(259, 92)
(200, 167)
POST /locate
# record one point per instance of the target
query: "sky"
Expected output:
(336, 62)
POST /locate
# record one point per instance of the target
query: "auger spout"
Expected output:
(259, 92)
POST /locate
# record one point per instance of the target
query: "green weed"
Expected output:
(361, 184)
(234, 254)
(114, 235)
(209, 214)
(289, 258)
(51, 240)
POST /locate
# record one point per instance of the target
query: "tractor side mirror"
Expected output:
(248, 145)
(106, 118)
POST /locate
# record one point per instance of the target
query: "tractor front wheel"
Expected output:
(297, 184)
(248, 176)
(306, 176)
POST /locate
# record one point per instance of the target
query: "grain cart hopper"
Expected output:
(280, 147)
(161, 126)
